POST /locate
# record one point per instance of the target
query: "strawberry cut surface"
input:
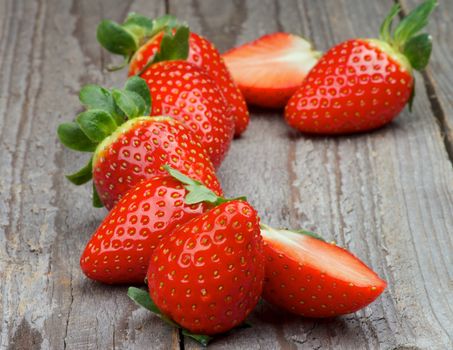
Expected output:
(203, 54)
(270, 69)
(312, 278)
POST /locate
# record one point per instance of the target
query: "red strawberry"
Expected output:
(138, 39)
(270, 69)
(363, 84)
(183, 91)
(207, 276)
(136, 150)
(312, 278)
(120, 249)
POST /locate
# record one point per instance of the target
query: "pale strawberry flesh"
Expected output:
(270, 69)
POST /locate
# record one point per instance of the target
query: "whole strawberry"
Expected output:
(363, 84)
(139, 39)
(312, 278)
(181, 90)
(126, 152)
(207, 276)
(120, 249)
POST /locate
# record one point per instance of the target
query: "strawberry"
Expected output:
(208, 275)
(126, 152)
(312, 278)
(270, 69)
(139, 38)
(181, 90)
(119, 250)
(363, 84)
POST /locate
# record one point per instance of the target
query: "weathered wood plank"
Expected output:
(48, 51)
(385, 195)
(440, 69)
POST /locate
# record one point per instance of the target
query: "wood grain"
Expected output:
(386, 195)
(48, 51)
(438, 75)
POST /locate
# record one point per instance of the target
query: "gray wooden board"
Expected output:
(387, 195)
(439, 74)
(48, 51)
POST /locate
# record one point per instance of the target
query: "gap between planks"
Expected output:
(434, 103)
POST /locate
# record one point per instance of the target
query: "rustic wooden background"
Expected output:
(387, 195)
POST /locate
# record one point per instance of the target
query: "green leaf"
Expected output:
(415, 21)
(386, 27)
(173, 46)
(197, 192)
(418, 50)
(96, 124)
(141, 297)
(412, 96)
(97, 97)
(97, 203)
(116, 39)
(83, 175)
(139, 86)
(164, 23)
(201, 338)
(74, 138)
(129, 102)
(141, 26)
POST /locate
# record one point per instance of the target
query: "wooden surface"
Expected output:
(387, 195)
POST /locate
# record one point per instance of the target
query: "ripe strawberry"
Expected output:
(139, 38)
(181, 90)
(312, 278)
(124, 154)
(120, 249)
(270, 69)
(363, 84)
(207, 276)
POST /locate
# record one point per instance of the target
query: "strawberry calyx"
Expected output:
(126, 38)
(197, 192)
(405, 40)
(141, 298)
(406, 45)
(106, 111)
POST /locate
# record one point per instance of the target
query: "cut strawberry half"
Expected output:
(270, 69)
(310, 277)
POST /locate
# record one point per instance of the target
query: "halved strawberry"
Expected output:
(310, 277)
(270, 69)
